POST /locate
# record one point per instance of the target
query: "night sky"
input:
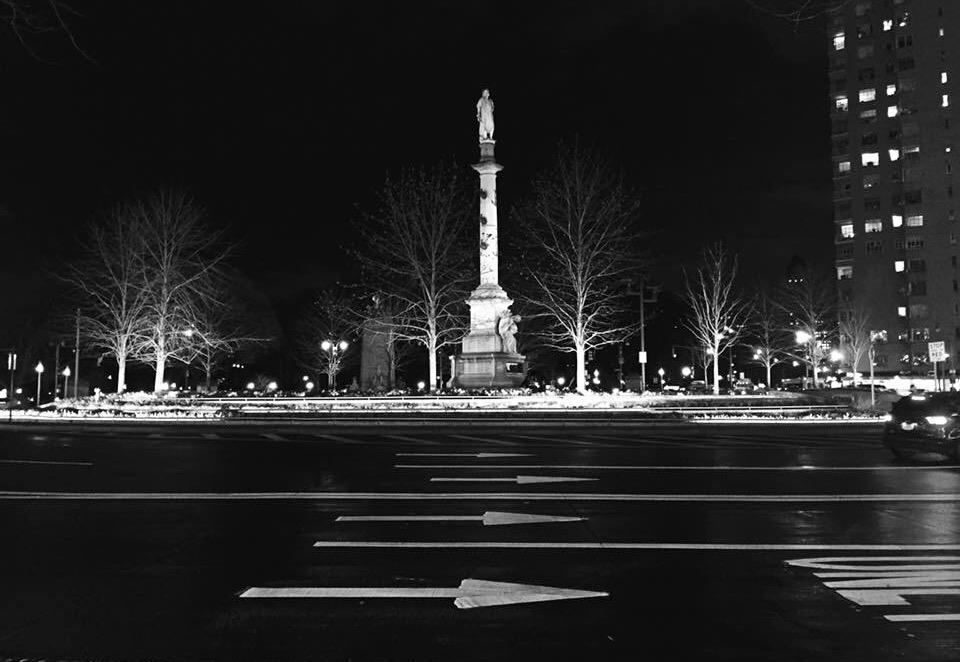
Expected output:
(281, 118)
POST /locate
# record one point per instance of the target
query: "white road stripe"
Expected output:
(484, 440)
(51, 462)
(272, 437)
(744, 547)
(901, 618)
(659, 467)
(945, 497)
(211, 435)
(476, 455)
(400, 437)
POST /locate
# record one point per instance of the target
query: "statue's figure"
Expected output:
(485, 116)
(507, 328)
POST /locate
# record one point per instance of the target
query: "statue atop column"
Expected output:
(485, 116)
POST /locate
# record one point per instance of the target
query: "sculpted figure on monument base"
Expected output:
(485, 116)
(507, 329)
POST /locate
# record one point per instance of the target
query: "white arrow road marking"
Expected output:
(745, 547)
(943, 497)
(658, 467)
(519, 480)
(477, 455)
(489, 518)
(470, 594)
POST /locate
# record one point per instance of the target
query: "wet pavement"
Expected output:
(715, 541)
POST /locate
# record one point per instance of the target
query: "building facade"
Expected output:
(894, 66)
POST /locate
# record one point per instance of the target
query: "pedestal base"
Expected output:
(490, 370)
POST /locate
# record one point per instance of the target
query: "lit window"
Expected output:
(943, 77)
(894, 154)
(896, 220)
(868, 94)
(891, 89)
(941, 32)
(846, 230)
(843, 166)
(867, 114)
(865, 51)
(844, 273)
(915, 221)
(840, 101)
(870, 158)
(887, 25)
(911, 149)
(901, 311)
(873, 225)
(878, 335)
(891, 111)
(899, 266)
(945, 100)
(838, 41)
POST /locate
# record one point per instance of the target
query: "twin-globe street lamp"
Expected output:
(332, 347)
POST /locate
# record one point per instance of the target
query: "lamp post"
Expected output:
(39, 371)
(66, 380)
(333, 347)
(803, 337)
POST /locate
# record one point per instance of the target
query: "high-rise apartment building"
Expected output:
(894, 66)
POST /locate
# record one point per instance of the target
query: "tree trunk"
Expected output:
(716, 371)
(331, 379)
(121, 374)
(581, 378)
(769, 375)
(161, 364)
(432, 349)
(208, 371)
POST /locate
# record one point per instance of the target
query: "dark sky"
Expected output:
(280, 117)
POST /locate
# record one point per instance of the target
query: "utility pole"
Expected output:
(12, 367)
(56, 368)
(643, 336)
(76, 361)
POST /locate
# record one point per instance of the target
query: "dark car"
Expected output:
(699, 387)
(742, 387)
(924, 424)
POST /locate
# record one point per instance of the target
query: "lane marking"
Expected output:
(495, 442)
(272, 437)
(211, 435)
(658, 467)
(519, 480)
(51, 462)
(477, 455)
(422, 442)
(474, 496)
(921, 617)
(336, 438)
(751, 547)
(470, 594)
(489, 518)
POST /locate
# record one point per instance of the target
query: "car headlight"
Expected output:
(937, 420)
(887, 417)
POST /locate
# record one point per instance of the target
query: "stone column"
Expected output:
(489, 257)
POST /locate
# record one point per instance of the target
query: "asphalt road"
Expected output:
(700, 541)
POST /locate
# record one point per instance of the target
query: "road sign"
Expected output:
(471, 593)
(937, 351)
(642, 357)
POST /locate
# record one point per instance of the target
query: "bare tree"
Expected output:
(853, 325)
(580, 236)
(323, 339)
(28, 18)
(108, 279)
(717, 314)
(179, 263)
(769, 340)
(416, 254)
(809, 308)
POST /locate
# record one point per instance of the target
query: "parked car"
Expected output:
(743, 387)
(924, 424)
(698, 387)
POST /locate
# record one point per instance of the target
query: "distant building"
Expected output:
(894, 66)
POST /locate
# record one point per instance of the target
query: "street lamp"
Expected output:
(686, 371)
(66, 379)
(661, 372)
(39, 371)
(332, 347)
(803, 337)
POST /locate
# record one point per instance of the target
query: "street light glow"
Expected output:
(686, 371)
(803, 337)
(326, 345)
(836, 355)
(343, 345)
(251, 386)
(39, 369)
